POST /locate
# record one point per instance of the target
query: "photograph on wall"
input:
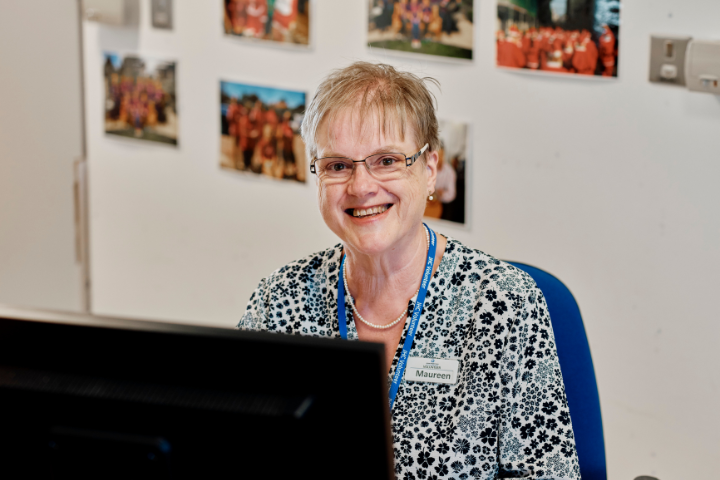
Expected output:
(274, 21)
(140, 98)
(260, 131)
(433, 27)
(448, 200)
(559, 36)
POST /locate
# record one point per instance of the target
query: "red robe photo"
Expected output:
(256, 17)
(509, 55)
(586, 57)
(285, 13)
(607, 52)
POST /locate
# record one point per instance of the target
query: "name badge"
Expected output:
(432, 370)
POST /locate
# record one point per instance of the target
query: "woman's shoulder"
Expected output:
(476, 266)
(311, 268)
(289, 289)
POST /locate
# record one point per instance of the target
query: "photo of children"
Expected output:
(140, 98)
(281, 21)
(559, 36)
(448, 200)
(260, 131)
(432, 27)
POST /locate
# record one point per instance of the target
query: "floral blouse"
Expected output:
(507, 415)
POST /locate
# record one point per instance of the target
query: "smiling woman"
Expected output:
(475, 388)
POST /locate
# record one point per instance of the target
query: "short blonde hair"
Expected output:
(398, 100)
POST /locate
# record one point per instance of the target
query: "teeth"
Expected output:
(362, 212)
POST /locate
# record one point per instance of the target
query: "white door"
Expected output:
(40, 139)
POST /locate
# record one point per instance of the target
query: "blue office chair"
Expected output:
(577, 371)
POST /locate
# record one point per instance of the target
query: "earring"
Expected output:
(431, 197)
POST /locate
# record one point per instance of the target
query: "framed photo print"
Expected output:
(140, 101)
(260, 131)
(449, 199)
(568, 37)
(281, 22)
(442, 28)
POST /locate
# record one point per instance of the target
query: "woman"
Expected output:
(497, 404)
(285, 137)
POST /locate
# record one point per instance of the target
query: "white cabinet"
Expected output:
(40, 139)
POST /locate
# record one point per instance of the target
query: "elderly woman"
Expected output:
(475, 388)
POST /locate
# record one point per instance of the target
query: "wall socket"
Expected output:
(703, 66)
(667, 59)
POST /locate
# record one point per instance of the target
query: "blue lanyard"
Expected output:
(417, 310)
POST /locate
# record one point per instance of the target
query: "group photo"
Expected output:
(433, 27)
(260, 131)
(559, 36)
(140, 98)
(281, 21)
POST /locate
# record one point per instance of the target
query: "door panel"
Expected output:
(40, 139)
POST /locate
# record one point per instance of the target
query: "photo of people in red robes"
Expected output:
(432, 27)
(282, 21)
(448, 200)
(140, 98)
(260, 131)
(559, 36)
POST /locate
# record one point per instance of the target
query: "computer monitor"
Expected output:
(90, 397)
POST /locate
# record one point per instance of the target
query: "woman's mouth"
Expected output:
(368, 212)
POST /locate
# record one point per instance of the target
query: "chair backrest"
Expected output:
(577, 371)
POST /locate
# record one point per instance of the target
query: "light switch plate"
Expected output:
(667, 59)
(161, 13)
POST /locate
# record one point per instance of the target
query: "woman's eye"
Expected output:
(337, 167)
(387, 161)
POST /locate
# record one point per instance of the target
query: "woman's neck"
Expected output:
(394, 273)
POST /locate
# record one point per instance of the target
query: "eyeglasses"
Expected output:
(382, 166)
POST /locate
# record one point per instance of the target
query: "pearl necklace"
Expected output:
(352, 302)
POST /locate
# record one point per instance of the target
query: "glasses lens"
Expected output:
(387, 165)
(334, 167)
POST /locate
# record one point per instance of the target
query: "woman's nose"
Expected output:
(361, 183)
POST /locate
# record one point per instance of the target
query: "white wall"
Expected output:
(607, 184)
(40, 138)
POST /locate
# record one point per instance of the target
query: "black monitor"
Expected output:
(90, 397)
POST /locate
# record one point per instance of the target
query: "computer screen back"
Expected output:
(105, 398)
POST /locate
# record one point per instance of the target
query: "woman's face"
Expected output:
(404, 199)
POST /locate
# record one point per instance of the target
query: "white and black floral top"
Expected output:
(506, 417)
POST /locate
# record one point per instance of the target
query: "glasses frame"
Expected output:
(409, 161)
